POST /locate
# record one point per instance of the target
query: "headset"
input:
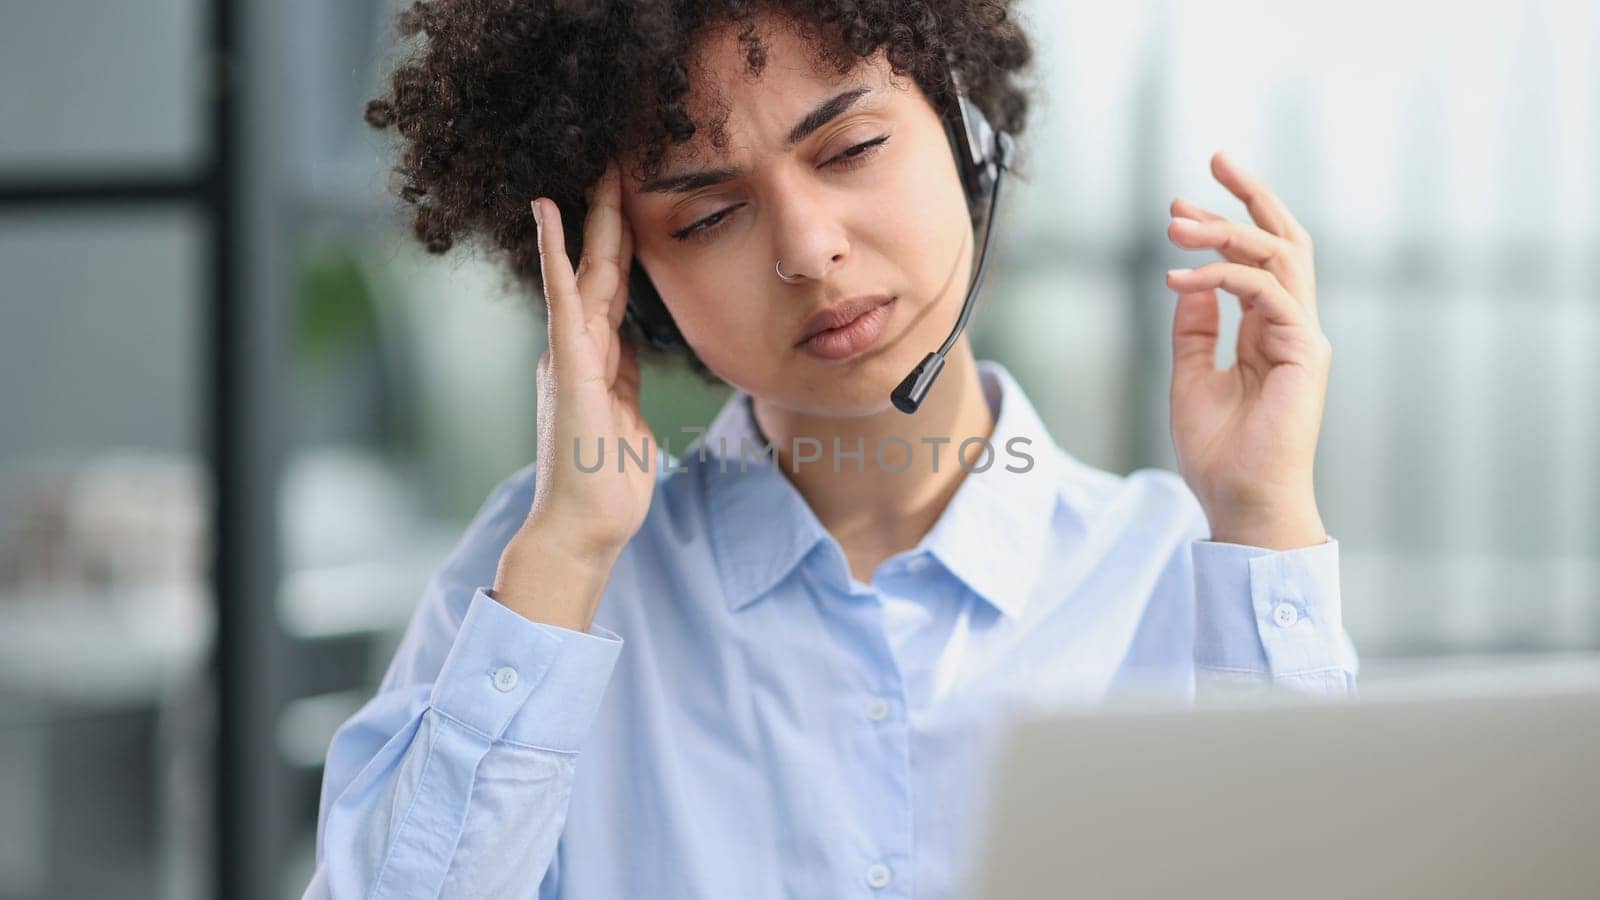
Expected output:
(982, 155)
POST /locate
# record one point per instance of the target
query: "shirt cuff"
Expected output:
(1273, 611)
(515, 679)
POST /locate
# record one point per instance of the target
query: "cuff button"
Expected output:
(1285, 615)
(505, 678)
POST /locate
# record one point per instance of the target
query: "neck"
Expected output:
(876, 510)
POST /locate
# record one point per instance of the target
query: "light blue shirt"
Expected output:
(744, 719)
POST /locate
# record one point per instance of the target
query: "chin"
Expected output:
(858, 387)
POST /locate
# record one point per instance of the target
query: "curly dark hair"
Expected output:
(506, 100)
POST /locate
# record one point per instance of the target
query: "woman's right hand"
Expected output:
(588, 388)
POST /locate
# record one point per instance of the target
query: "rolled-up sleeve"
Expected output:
(1269, 618)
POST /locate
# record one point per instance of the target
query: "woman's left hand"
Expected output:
(1246, 437)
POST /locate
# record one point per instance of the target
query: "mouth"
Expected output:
(840, 315)
(849, 328)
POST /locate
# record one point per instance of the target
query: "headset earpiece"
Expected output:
(648, 313)
(979, 151)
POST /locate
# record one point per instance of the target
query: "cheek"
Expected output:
(924, 217)
(691, 290)
(715, 310)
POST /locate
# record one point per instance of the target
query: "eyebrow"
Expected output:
(826, 112)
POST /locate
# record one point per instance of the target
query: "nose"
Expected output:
(810, 241)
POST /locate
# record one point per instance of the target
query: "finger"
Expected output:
(1195, 325)
(543, 382)
(619, 300)
(599, 271)
(1182, 207)
(1253, 287)
(1265, 207)
(1241, 243)
(563, 306)
(627, 377)
(613, 355)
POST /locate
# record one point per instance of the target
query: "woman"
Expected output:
(748, 675)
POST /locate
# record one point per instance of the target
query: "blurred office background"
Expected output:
(214, 328)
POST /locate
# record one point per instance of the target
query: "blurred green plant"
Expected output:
(353, 382)
(335, 309)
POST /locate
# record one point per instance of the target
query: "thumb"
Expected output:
(1194, 334)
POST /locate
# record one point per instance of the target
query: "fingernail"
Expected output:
(538, 217)
(1178, 273)
(1185, 220)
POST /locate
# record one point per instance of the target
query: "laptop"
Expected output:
(1485, 796)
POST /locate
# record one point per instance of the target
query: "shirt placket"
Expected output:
(875, 735)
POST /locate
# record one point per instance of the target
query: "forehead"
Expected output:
(744, 78)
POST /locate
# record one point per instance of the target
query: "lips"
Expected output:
(840, 314)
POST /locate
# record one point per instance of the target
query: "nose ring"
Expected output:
(788, 278)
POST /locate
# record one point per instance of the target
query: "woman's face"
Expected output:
(847, 221)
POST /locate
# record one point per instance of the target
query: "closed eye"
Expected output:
(852, 157)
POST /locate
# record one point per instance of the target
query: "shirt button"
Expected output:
(878, 875)
(1285, 615)
(505, 678)
(877, 709)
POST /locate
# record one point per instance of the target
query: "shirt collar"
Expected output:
(994, 535)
